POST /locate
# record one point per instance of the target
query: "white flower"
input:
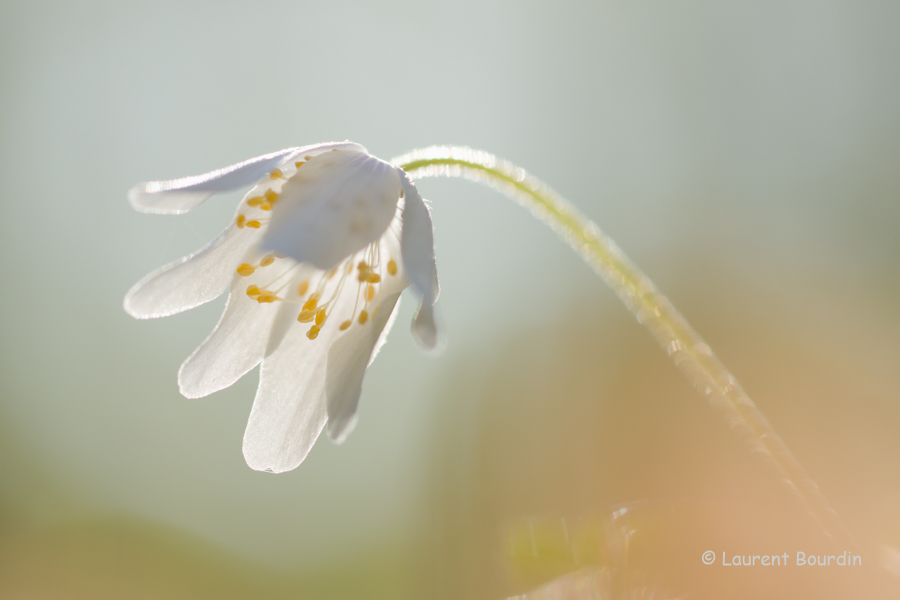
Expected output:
(316, 258)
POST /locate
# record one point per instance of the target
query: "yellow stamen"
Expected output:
(306, 316)
(253, 291)
(254, 224)
(320, 317)
(303, 288)
(363, 317)
(311, 303)
(265, 206)
(279, 255)
(299, 164)
(373, 277)
(241, 219)
(392, 267)
(276, 174)
(267, 260)
(245, 269)
(313, 332)
(267, 296)
(307, 158)
(370, 293)
(362, 266)
(255, 201)
(345, 325)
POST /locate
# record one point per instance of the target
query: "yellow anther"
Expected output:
(299, 164)
(271, 196)
(313, 332)
(306, 316)
(267, 260)
(345, 325)
(255, 201)
(254, 224)
(373, 277)
(241, 219)
(370, 293)
(401, 192)
(311, 303)
(267, 296)
(363, 317)
(265, 206)
(253, 291)
(392, 267)
(303, 288)
(307, 158)
(362, 266)
(245, 269)
(333, 273)
(276, 174)
(320, 317)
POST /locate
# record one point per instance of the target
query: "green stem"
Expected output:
(686, 348)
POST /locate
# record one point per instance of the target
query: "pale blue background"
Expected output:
(760, 138)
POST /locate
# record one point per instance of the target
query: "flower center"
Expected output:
(317, 294)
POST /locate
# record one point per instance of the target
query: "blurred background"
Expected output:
(743, 154)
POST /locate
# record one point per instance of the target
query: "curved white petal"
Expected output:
(306, 383)
(289, 411)
(382, 339)
(424, 328)
(335, 205)
(177, 196)
(239, 340)
(347, 361)
(417, 243)
(193, 280)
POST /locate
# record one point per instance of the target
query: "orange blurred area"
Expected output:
(591, 451)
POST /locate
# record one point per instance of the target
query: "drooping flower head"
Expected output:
(315, 261)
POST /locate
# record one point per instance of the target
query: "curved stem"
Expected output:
(686, 348)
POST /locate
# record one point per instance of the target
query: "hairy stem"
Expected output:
(686, 348)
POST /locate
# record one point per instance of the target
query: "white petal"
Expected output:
(352, 354)
(289, 411)
(347, 361)
(239, 340)
(417, 243)
(306, 383)
(335, 205)
(193, 280)
(177, 196)
(424, 328)
(382, 339)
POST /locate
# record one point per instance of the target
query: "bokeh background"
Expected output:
(745, 154)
